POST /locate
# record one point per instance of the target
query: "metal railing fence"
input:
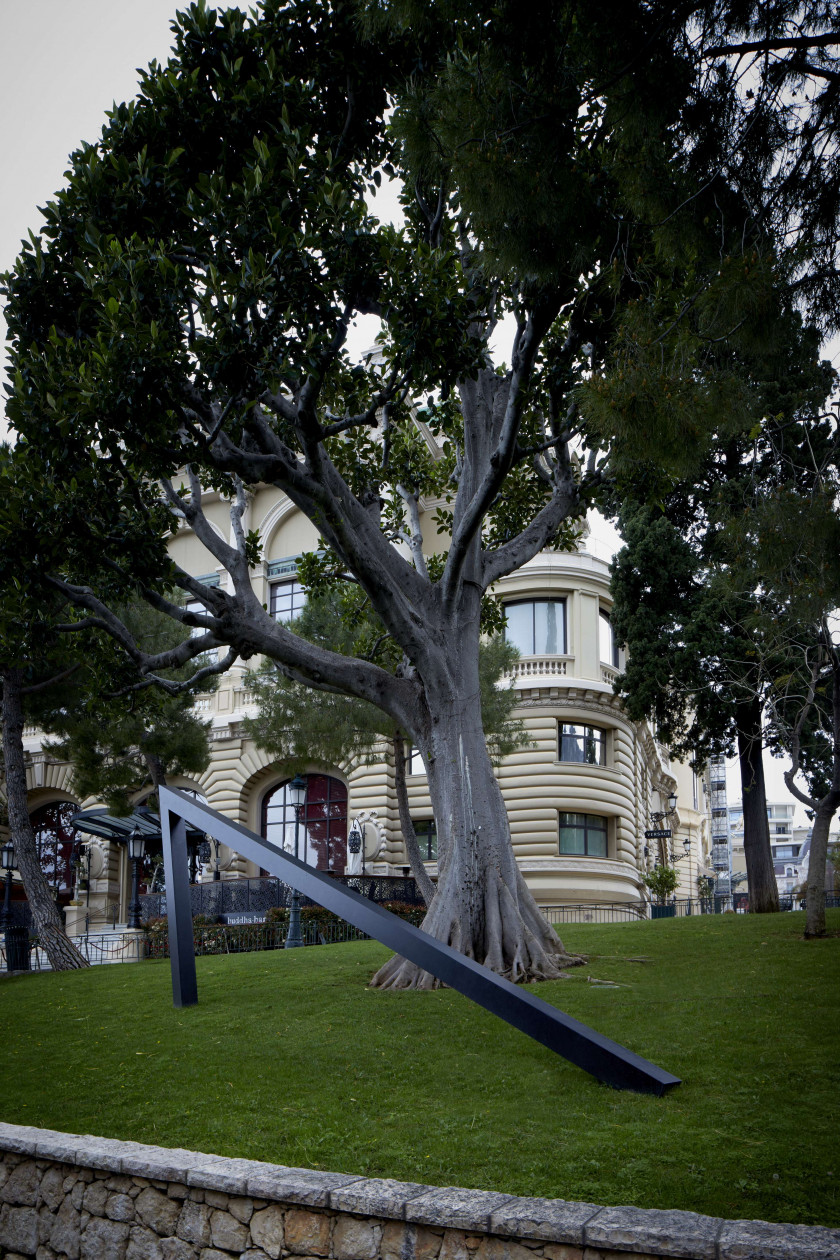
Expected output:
(604, 912)
(243, 896)
(97, 948)
(680, 908)
(220, 938)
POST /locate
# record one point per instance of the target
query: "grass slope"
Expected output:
(290, 1058)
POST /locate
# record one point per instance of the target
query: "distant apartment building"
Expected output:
(788, 844)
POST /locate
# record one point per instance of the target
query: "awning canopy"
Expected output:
(98, 822)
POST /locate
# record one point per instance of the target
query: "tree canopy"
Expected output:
(182, 319)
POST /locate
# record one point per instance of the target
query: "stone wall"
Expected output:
(87, 1198)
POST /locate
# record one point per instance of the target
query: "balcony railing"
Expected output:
(540, 666)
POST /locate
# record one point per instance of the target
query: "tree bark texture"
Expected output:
(412, 848)
(761, 878)
(824, 811)
(61, 952)
(482, 907)
(155, 768)
(815, 886)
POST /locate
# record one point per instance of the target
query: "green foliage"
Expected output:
(111, 740)
(298, 726)
(705, 886)
(705, 549)
(662, 882)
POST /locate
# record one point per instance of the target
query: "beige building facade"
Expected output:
(580, 797)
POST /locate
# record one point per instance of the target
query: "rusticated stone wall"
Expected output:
(64, 1197)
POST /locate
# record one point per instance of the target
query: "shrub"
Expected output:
(662, 881)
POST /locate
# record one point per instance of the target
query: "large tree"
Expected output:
(687, 598)
(298, 727)
(187, 304)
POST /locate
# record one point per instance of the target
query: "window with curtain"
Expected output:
(606, 641)
(583, 834)
(537, 626)
(582, 743)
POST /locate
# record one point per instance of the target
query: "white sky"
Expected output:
(64, 63)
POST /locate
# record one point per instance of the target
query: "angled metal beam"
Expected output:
(603, 1058)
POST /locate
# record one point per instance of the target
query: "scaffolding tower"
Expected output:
(719, 830)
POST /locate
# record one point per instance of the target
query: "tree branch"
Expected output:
(775, 45)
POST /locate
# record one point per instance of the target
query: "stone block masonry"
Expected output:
(65, 1197)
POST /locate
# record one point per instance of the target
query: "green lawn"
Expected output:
(290, 1058)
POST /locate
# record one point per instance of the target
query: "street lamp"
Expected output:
(356, 843)
(686, 851)
(136, 849)
(16, 938)
(8, 859)
(658, 820)
(295, 795)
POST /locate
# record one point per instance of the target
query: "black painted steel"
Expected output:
(181, 947)
(603, 1058)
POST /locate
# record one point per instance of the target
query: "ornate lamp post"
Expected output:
(16, 938)
(296, 795)
(136, 849)
(658, 819)
(8, 860)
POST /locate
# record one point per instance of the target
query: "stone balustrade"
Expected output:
(89, 1198)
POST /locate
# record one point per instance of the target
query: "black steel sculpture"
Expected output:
(603, 1058)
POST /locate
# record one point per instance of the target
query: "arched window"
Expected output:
(55, 839)
(322, 836)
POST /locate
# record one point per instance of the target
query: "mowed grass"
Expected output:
(290, 1058)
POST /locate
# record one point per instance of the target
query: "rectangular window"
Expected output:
(287, 600)
(585, 744)
(196, 606)
(785, 850)
(414, 763)
(426, 832)
(537, 627)
(584, 834)
(606, 641)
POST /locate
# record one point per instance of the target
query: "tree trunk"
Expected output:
(61, 952)
(482, 907)
(412, 848)
(156, 771)
(761, 879)
(815, 887)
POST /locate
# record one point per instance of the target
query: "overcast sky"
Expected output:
(64, 63)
